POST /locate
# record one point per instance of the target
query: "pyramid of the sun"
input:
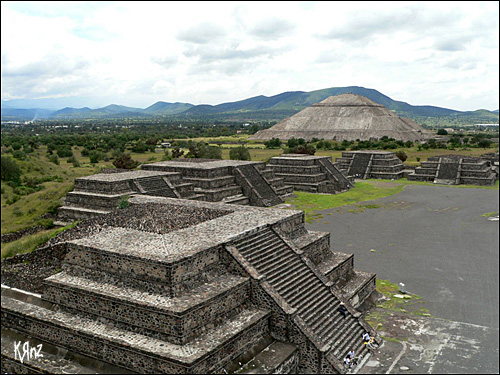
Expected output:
(345, 117)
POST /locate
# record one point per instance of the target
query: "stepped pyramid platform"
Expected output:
(101, 193)
(315, 174)
(345, 117)
(370, 164)
(183, 286)
(455, 170)
(230, 181)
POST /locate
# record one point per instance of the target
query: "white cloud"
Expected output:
(443, 54)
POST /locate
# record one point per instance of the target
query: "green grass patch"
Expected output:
(29, 243)
(489, 214)
(412, 306)
(362, 191)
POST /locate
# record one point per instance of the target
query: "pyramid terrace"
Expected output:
(184, 286)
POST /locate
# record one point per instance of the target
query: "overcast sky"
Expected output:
(425, 53)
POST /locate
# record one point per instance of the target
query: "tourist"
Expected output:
(366, 337)
(351, 354)
(347, 362)
(342, 309)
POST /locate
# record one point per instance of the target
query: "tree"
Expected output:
(125, 161)
(177, 153)
(239, 153)
(10, 170)
(442, 132)
(401, 155)
(484, 143)
(273, 143)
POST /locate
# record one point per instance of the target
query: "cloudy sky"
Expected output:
(424, 53)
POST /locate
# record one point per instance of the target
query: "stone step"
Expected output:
(337, 266)
(277, 358)
(237, 199)
(276, 182)
(218, 194)
(285, 190)
(248, 245)
(343, 326)
(94, 200)
(196, 197)
(332, 321)
(138, 255)
(304, 299)
(211, 183)
(261, 251)
(292, 278)
(271, 260)
(319, 306)
(134, 351)
(294, 169)
(308, 308)
(290, 161)
(302, 178)
(177, 319)
(341, 347)
(80, 213)
(249, 239)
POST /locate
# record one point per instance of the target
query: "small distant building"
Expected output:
(166, 144)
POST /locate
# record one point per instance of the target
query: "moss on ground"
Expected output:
(414, 305)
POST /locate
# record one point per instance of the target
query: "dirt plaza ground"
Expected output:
(442, 243)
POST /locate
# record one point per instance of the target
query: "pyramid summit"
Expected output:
(345, 117)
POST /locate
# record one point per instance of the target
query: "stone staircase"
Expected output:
(101, 193)
(370, 164)
(302, 289)
(359, 165)
(143, 313)
(256, 187)
(454, 169)
(249, 291)
(278, 184)
(315, 174)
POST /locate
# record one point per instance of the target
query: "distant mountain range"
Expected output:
(261, 107)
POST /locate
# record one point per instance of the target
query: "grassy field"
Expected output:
(30, 242)
(23, 211)
(363, 191)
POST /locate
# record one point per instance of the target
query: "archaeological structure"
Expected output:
(315, 174)
(455, 170)
(184, 286)
(345, 117)
(370, 164)
(228, 181)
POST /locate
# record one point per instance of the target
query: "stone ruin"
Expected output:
(455, 170)
(183, 286)
(315, 174)
(370, 164)
(229, 181)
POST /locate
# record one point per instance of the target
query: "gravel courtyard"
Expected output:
(443, 244)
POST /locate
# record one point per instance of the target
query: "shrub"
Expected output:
(10, 170)
(95, 156)
(54, 159)
(239, 153)
(401, 155)
(19, 154)
(124, 202)
(177, 153)
(273, 143)
(442, 132)
(125, 161)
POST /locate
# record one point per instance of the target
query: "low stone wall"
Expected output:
(13, 236)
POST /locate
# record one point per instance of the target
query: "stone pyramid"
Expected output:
(345, 117)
